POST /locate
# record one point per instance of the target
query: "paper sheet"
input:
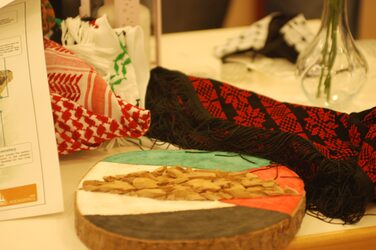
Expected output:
(4, 2)
(30, 181)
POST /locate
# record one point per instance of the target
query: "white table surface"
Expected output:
(190, 52)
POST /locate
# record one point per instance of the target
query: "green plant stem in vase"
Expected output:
(331, 68)
(329, 51)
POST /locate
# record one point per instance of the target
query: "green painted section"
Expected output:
(190, 158)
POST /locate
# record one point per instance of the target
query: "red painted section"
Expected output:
(285, 203)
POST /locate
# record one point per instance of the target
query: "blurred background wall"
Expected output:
(186, 15)
(367, 19)
(312, 9)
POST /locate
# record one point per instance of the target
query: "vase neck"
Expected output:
(335, 13)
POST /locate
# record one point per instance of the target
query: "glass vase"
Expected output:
(331, 68)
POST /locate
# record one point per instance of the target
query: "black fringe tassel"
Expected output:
(336, 189)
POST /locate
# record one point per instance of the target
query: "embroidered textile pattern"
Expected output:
(205, 114)
(117, 55)
(336, 135)
(48, 16)
(86, 112)
(333, 133)
(276, 35)
(120, 67)
(325, 128)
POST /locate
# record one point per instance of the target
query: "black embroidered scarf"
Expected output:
(334, 153)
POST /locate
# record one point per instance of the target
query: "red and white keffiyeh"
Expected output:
(86, 111)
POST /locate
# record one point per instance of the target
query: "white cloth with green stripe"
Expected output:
(118, 55)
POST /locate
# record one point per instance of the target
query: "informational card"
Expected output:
(30, 182)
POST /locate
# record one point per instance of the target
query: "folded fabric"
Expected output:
(48, 16)
(334, 153)
(86, 111)
(117, 55)
(276, 35)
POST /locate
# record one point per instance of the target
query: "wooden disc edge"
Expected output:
(277, 236)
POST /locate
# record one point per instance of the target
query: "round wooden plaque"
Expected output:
(117, 221)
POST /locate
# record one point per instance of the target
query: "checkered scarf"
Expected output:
(86, 111)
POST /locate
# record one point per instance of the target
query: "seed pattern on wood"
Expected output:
(178, 183)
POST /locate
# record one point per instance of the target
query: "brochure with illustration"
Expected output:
(30, 182)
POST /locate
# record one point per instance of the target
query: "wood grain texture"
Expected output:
(137, 223)
(276, 236)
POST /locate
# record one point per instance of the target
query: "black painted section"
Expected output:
(189, 225)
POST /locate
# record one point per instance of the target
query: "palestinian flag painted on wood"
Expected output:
(114, 220)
